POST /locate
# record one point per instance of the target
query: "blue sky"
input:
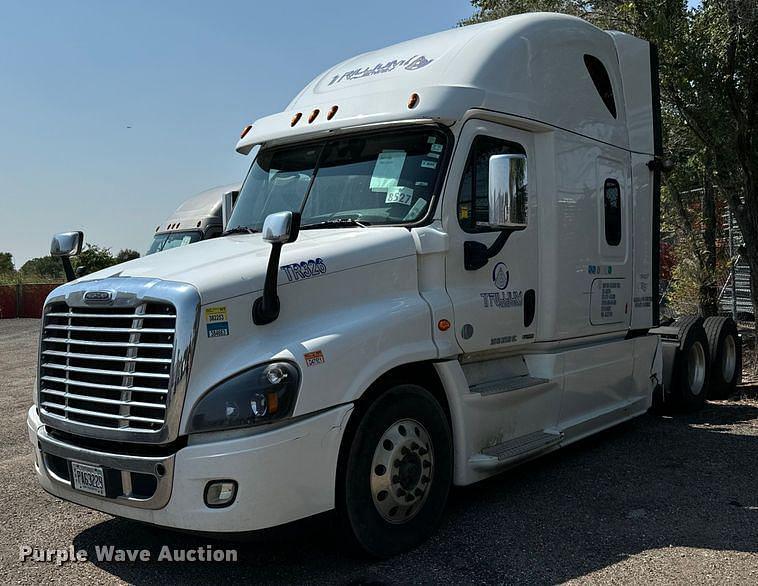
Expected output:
(186, 76)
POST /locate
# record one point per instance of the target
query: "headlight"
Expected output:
(262, 394)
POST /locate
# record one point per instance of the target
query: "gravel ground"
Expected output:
(656, 500)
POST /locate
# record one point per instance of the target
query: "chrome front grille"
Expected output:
(108, 367)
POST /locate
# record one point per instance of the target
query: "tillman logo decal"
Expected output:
(500, 276)
(409, 64)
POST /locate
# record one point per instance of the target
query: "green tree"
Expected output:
(44, 267)
(709, 91)
(126, 254)
(6, 263)
(94, 258)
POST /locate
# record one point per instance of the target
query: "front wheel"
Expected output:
(397, 473)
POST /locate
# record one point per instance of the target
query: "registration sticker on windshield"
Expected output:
(216, 321)
(387, 170)
(402, 195)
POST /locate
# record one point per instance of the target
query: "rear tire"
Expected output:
(691, 366)
(725, 348)
(397, 472)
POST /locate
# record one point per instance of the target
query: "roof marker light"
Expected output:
(332, 112)
(245, 131)
(296, 118)
(413, 101)
(313, 115)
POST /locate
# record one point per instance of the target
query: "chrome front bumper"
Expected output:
(154, 473)
(283, 475)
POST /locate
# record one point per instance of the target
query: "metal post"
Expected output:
(19, 298)
(734, 266)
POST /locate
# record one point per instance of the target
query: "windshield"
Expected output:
(173, 240)
(378, 178)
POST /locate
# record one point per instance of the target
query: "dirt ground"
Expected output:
(657, 500)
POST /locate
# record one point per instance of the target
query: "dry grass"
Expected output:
(750, 367)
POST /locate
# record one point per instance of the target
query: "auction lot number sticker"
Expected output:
(216, 322)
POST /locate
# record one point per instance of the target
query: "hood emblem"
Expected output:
(98, 296)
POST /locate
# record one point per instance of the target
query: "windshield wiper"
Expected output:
(340, 223)
(239, 230)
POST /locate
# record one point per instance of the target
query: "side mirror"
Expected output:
(64, 246)
(278, 229)
(67, 244)
(228, 201)
(281, 227)
(508, 196)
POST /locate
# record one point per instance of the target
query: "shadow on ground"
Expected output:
(649, 484)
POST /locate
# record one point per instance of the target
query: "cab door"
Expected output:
(495, 304)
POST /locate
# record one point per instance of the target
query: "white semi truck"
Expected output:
(198, 218)
(443, 261)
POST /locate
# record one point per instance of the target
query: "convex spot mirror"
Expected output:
(281, 227)
(67, 244)
(508, 196)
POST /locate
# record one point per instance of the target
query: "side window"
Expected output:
(473, 198)
(612, 205)
(602, 81)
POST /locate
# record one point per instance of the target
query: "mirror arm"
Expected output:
(68, 268)
(266, 308)
(278, 229)
(476, 254)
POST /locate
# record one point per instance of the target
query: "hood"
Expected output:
(225, 267)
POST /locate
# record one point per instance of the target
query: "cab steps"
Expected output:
(510, 384)
(516, 449)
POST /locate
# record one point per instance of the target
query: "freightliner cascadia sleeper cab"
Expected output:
(442, 261)
(198, 218)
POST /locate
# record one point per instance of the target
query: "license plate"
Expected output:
(88, 478)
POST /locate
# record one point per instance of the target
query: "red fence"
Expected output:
(24, 300)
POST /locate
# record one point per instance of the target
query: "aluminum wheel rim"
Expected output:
(402, 471)
(696, 368)
(728, 359)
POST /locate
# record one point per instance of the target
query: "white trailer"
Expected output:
(443, 261)
(198, 218)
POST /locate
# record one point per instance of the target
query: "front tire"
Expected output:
(397, 473)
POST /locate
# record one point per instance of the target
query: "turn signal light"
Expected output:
(245, 131)
(443, 325)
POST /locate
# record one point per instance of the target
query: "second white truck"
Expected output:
(198, 218)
